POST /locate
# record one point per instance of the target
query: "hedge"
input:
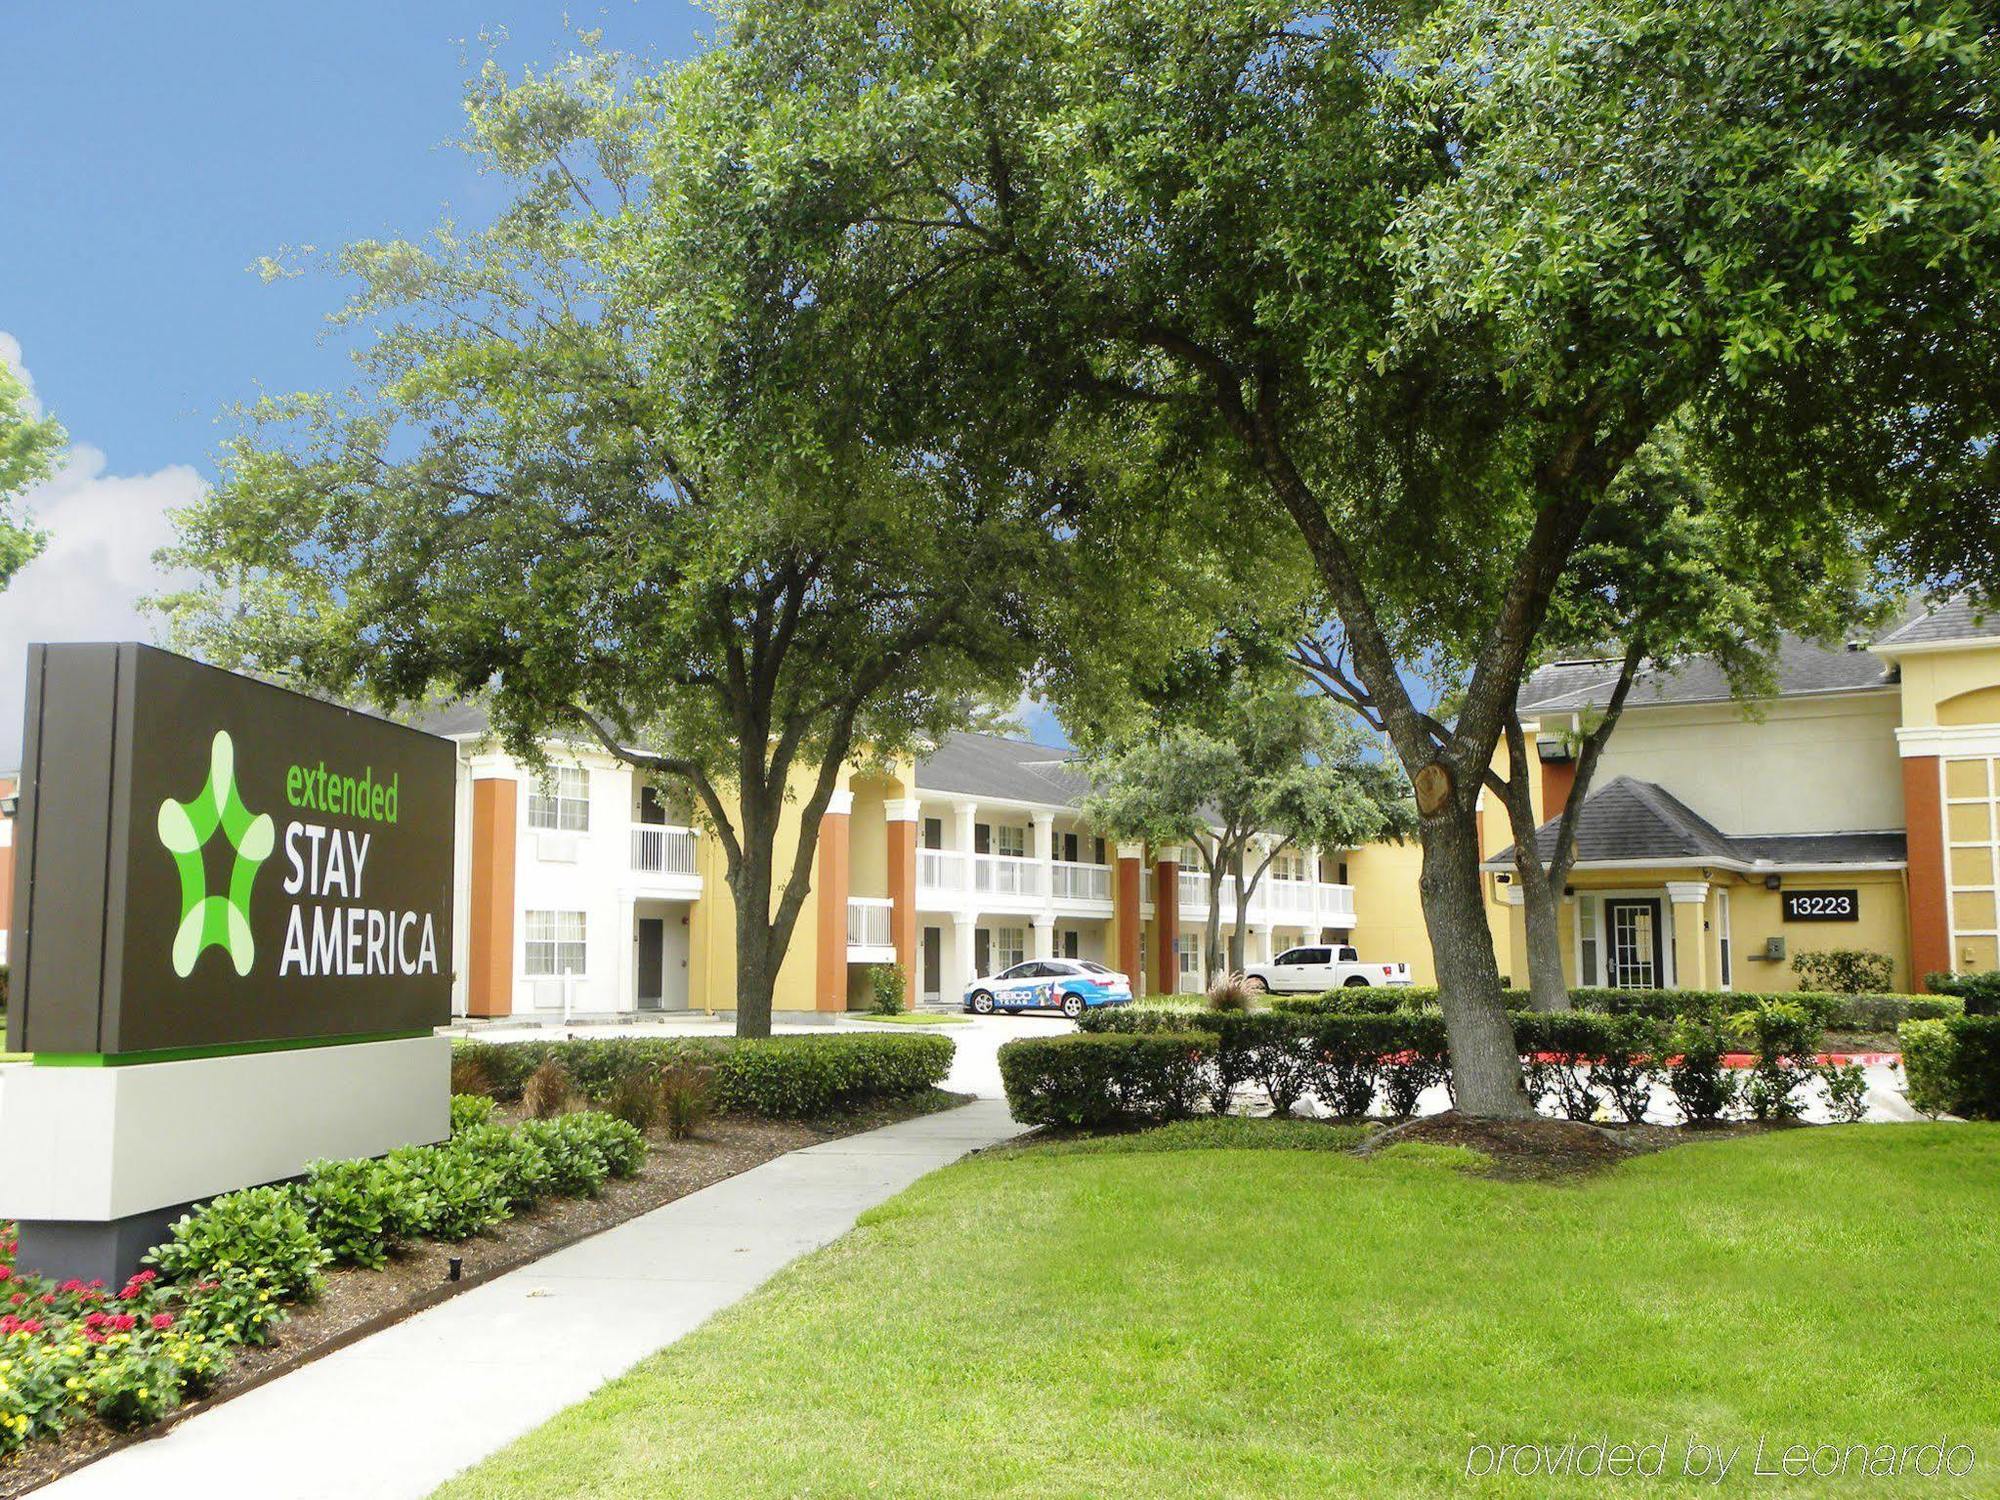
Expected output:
(1978, 993)
(1835, 1012)
(1578, 1062)
(785, 1077)
(1096, 1079)
(1954, 1066)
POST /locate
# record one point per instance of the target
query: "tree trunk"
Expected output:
(1213, 927)
(756, 961)
(1547, 989)
(1485, 1064)
(1239, 933)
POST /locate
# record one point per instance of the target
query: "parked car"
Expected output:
(1070, 985)
(1318, 967)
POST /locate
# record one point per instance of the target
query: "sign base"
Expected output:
(96, 1161)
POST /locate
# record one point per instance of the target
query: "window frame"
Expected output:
(552, 803)
(552, 942)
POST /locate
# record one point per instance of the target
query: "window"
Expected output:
(555, 943)
(1010, 839)
(1349, 956)
(1187, 947)
(1289, 956)
(562, 802)
(1071, 943)
(1586, 927)
(1010, 946)
(933, 833)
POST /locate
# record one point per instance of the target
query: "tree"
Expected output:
(31, 446)
(1269, 769)
(1423, 281)
(604, 470)
(1670, 568)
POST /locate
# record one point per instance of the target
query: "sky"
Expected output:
(151, 154)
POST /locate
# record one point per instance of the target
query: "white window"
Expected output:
(1010, 946)
(1010, 840)
(555, 943)
(1188, 947)
(562, 802)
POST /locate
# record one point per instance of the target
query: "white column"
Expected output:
(963, 816)
(625, 971)
(1045, 852)
(1045, 936)
(1261, 941)
(962, 924)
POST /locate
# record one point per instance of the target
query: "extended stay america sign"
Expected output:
(204, 860)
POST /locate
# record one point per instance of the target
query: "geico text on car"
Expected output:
(1070, 985)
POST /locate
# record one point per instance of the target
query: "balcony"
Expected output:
(663, 857)
(1070, 881)
(1285, 903)
(870, 939)
(1006, 875)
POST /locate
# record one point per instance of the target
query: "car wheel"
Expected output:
(982, 1004)
(1355, 982)
(1072, 1006)
(1256, 986)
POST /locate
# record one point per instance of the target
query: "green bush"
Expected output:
(577, 1169)
(468, 1110)
(453, 1191)
(1844, 971)
(1095, 1079)
(1887, 1012)
(1703, 1089)
(1784, 1041)
(808, 1077)
(687, 1095)
(885, 989)
(617, 1143)
(787, 1077)
(635, 1099)
(1979, 993)
(1953, 1066)
(525, 1175)
(254, 1228)
(343, 1201)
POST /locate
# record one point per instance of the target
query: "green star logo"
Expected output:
(185, 829)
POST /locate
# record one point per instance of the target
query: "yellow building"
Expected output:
(1853, 809)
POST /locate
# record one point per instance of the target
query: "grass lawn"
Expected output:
(1120, 1322)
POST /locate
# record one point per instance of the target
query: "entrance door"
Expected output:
(933, 963)
(652, 963)
(1636, 957)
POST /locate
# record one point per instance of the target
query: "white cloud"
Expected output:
(103, 530)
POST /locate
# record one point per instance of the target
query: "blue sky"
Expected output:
(152, 153)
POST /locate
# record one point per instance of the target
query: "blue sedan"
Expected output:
(1070, 985)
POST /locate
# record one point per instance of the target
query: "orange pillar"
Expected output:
(1558, 776)
(902, 813)
(1167, 922)
(831, 879)
(489, 970)
(1923, 817)
(1125, 890)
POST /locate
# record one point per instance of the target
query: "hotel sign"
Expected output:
(205, 861)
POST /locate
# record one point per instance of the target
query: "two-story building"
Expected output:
(586, 892)
(1853, 808)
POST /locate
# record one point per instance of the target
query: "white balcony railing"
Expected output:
(1006, 875)
(1080, 882)
(940, 870)
(868, 923)
(660, 850)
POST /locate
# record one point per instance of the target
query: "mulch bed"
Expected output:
(357, 1303)
(1542, 1149)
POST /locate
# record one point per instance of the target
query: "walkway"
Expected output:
(403, 1410)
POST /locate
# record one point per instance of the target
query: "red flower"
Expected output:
(93, 1320)
(32, 1325)
(18, 1298)
(5, 1272)
(163, 1320)
(122, 1323)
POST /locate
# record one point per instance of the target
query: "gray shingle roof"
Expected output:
(1627, 820)
(992, 765)
(1802, 666)
(1957, 619)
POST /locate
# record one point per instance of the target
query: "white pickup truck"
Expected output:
(1319, 967)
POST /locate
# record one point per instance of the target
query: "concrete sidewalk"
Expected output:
(403, 1410)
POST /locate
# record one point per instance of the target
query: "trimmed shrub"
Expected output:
(1954, 1066)
(258, 1228)
(468, 1110)
(807, 1077)
(1104, 1078)
(1844, 971)
(1846, 1092)
(576, 1167)
(1703, 1089)
(1887, 1012)
(617, 1143)
(1979, 993)
(525, 1175)
(1279, 1055)
(1358, 1001)
(343, 1201)
(465, 1184)
(1785, 1040)
(1560, 1049)
(886, 989)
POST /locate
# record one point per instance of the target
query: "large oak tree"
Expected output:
(1421, 281)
